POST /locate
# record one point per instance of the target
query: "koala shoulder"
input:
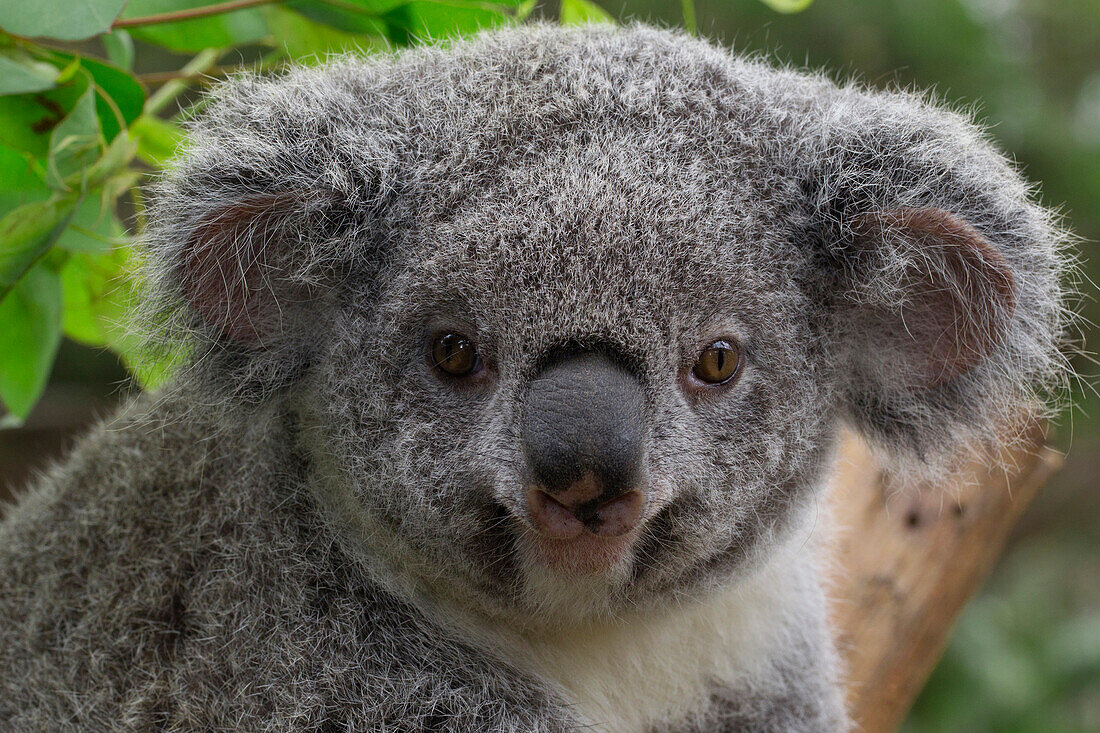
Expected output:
(160, 578)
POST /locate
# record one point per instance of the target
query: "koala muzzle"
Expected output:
(583, 436)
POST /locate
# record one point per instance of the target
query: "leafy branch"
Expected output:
(190, 13)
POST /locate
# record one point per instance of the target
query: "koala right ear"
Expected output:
(935, 297)
(942, 279)
(240, 261)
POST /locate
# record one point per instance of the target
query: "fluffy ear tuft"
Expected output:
(943, 294)
(232, 270)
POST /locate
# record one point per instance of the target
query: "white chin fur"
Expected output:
(562, 597)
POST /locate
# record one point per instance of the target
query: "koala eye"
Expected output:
(455, 354)
(718, 364)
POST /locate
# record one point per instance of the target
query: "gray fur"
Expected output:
(309, 530)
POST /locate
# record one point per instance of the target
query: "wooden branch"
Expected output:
(909, 560)
(190, 13)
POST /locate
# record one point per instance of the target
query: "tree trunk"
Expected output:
(907, 563)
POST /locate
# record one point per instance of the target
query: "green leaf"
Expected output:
(101, 293)
(149, 370)
(189, 36)
(32, 319)
(86, 282)
(120, 98)
(114, 161)
(787, 6)
(67, 20)
(119, 46)
(28, 232)
(525, 8)
(579, 12)
(303, 40)
(75, 143)
(21, 180)
(158, 140)
(27, 120)
(21, 74)
(69, 72)
(94, 228)
(423, 20)
(351, 16)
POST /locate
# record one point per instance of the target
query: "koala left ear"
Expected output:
(935, 296)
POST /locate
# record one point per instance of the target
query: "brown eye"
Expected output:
(718, 363)
(455, 354)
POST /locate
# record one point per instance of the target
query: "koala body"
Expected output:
(516, 372)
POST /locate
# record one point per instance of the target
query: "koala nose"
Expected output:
(583, 435)
(569, 515)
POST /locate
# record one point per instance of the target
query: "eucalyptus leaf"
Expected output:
(580, 12)
(75, 143)
(94, 228)
(422, 20)
(27, 120)
(28, 232)
(66, 20)
(93, 308)
(787, 6)
(21, 74)
(120, 98)
(525, 8)
(21, 180)
(114, 161)
(119, 46)
(32, 318)
(158, 140)
(305, 41)
(350, 16)
(101, 294)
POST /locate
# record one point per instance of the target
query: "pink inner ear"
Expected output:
(227, 271)
(962, 290)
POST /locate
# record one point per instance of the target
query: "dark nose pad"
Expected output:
(584, 439)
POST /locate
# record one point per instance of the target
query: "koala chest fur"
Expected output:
(717, 662)
(666, 668)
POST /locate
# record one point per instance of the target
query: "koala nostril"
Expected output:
(618, 516)
(551, 517)
(610, 518)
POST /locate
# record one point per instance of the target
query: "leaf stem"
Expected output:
(688, 7)
(202, 63)
(190, 13)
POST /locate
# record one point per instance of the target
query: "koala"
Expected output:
(514, 373)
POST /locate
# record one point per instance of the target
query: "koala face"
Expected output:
(594, 442)
(569, 317)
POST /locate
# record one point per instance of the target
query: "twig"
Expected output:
(190, 13)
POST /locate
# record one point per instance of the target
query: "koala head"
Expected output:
(570, 317)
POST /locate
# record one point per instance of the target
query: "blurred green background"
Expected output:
(1026, 653)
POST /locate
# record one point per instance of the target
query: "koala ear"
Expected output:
(943, 281)
(238, 265)
(935, 297)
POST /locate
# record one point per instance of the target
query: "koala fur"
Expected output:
(310, 529)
